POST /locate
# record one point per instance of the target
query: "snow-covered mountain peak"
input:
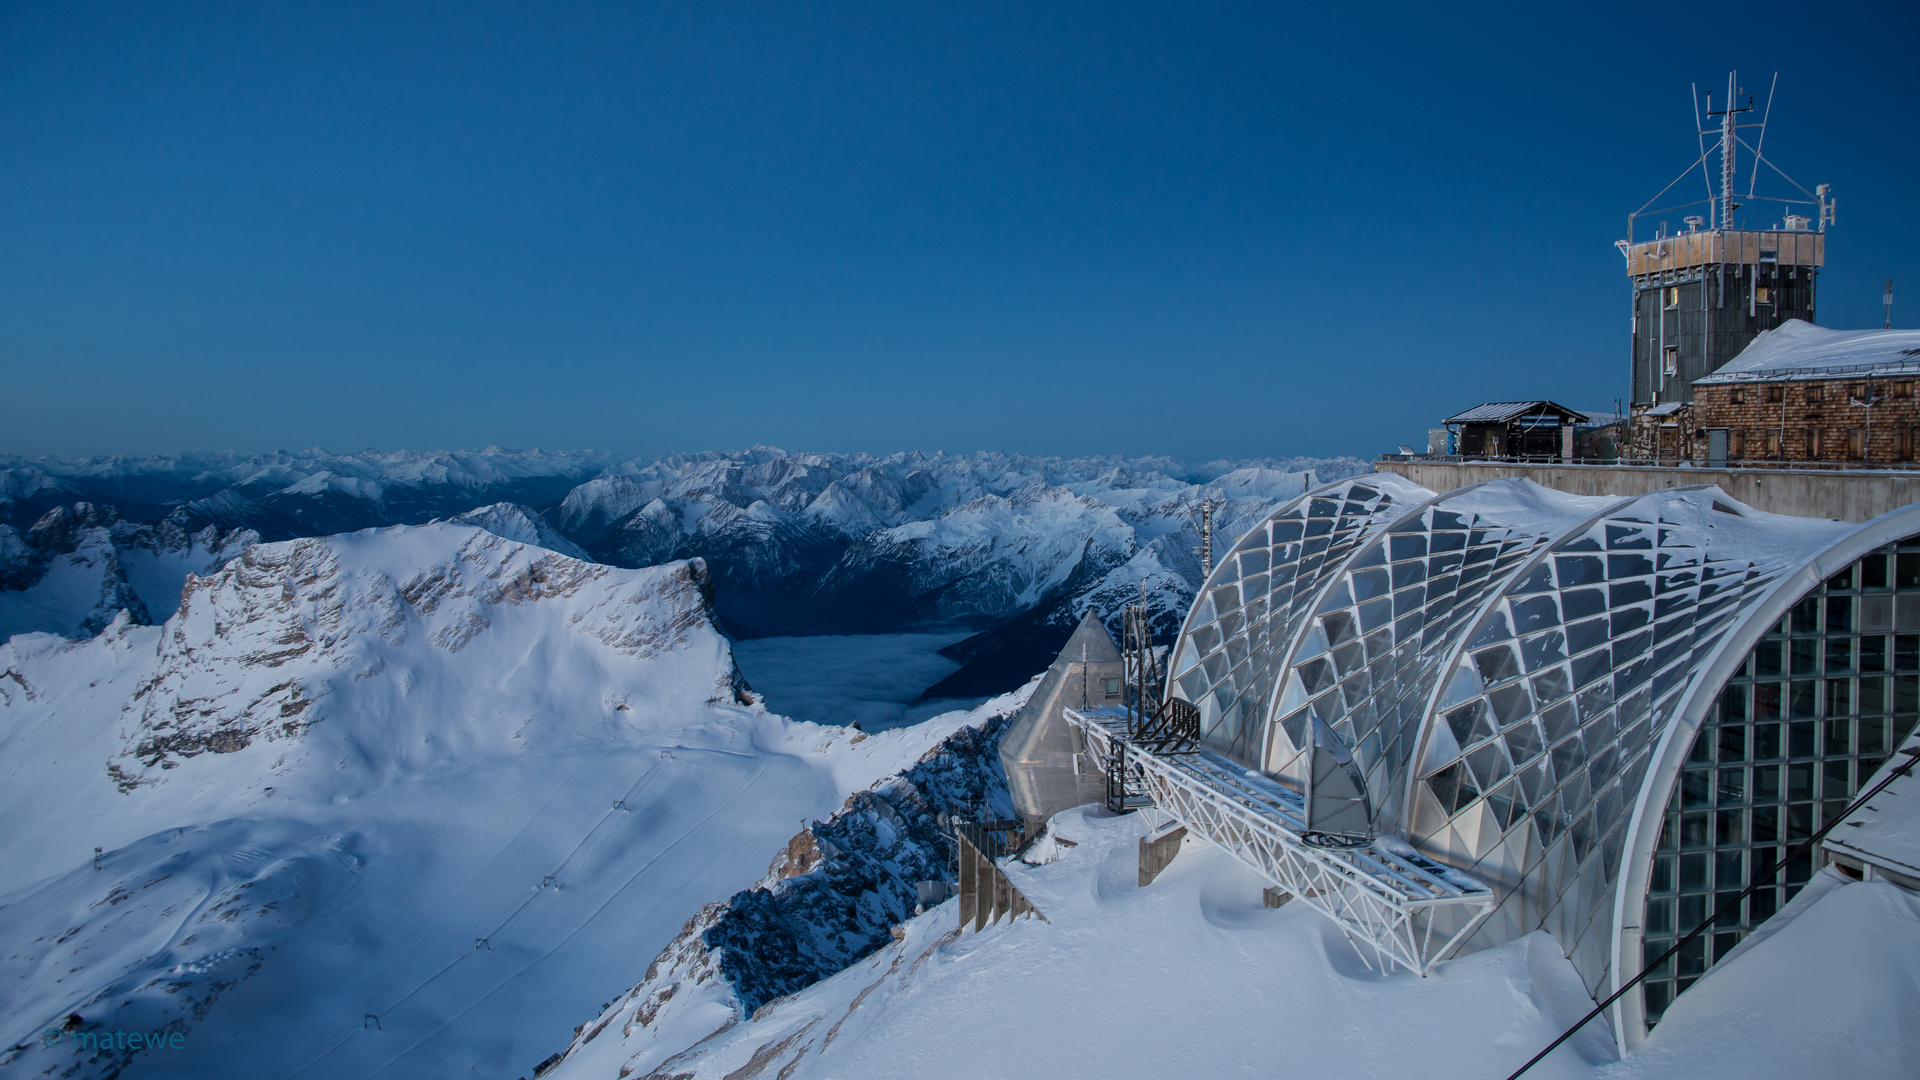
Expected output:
(361, 626)
(520, 524)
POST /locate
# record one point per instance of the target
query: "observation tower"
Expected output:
(1703, 294)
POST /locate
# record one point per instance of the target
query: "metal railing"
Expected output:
(1661, 462)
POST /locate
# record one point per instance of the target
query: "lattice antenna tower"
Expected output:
(1724, 198)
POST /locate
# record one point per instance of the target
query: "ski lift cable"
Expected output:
(385, 1065)
(1913, 756)
(631, 790)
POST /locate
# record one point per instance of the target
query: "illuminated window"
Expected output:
(1673, 296)
(1672, 363)
(1762, 294)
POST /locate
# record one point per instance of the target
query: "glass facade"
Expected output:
(1255, 601)
(1383, 632)
(1508, 665)
(1818, 705)
(1544, 735)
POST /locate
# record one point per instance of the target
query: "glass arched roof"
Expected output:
(1503, 662)
(1256, 599)
(1535, 753)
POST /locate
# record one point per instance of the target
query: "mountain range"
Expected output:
(1011, 547)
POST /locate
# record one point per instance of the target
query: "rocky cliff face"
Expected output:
(256, 645)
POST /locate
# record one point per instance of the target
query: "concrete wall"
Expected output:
(1848, 495)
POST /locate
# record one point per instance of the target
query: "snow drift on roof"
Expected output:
(1799, 348)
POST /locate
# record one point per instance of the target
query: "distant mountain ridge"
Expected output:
(799, 543)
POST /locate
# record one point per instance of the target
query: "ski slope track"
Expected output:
(406, 802)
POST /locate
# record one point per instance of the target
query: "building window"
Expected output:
(1776, 395)
(1736, 443)
(1813, 443)
(1856, 444)
(1776, 758)
(1113, 687)
(1903, 444)
(1672, 362)
(1903, 389)
(1672, 299)
(1773, 443)
(1814, 393)
(1762, 294)
(1738, 395)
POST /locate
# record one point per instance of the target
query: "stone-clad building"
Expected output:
(1799, 393)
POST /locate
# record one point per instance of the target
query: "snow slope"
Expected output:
(426, 774)
(1191, 976)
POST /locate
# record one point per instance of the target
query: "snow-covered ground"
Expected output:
(1191, 976)
(873, 680)
(408, 802)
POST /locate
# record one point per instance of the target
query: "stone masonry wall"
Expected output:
(1816, 416)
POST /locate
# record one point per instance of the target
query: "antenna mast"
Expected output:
(1206, 536)
(1728, 127)
(1205, 523)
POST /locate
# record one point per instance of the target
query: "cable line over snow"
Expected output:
(1913, 757)
(531, 964)
(484, 943)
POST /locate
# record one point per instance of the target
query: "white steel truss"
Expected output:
(1390, 901)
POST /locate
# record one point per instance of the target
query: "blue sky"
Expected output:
(1195, 230)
